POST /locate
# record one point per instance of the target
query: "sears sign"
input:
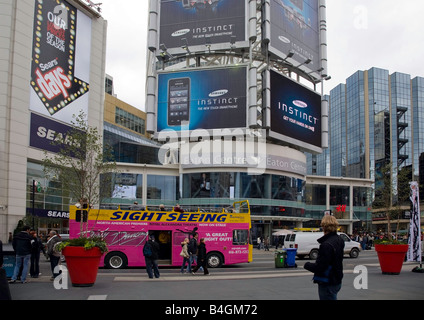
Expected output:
(295, 112)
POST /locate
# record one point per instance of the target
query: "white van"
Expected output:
(307, 244)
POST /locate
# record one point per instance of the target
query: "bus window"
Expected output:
(240, 237)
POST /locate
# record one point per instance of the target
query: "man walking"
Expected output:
(22, 244)
(151, 254)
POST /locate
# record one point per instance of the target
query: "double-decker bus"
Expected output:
(226, 231)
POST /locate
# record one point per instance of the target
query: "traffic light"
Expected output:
(36, 185)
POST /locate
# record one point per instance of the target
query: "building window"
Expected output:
(130, 121)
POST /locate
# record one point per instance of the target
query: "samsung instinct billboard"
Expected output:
(295, 113)
(295, 28)
(202, 99)
(201, 23)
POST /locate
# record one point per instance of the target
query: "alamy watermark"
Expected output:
(213, 148)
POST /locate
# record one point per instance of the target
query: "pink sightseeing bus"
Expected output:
(226, 232)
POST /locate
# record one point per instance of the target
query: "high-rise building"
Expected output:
(376, 118)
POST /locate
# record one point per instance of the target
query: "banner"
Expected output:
(414, 240)
(60, 68)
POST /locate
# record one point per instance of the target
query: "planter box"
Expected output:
(82, 265)
(391, 257)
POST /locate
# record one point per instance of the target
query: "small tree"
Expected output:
(391, 196)
(82, 165)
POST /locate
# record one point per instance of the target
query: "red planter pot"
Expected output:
(82, 265)
(391, 257)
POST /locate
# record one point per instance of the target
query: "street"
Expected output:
(257, 281)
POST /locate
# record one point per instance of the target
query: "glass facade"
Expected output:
(375, 119)
(418, 121)
(130, 121)
(269, 194)
(337, 134)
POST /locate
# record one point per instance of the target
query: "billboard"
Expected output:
(202, 99)
(60, 70)
(295, 28)
(202, 22)
(295, 113)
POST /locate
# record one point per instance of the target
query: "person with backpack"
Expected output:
(151, 253)
(328, 268)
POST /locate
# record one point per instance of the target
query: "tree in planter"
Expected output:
(82, 165)
(390, 197)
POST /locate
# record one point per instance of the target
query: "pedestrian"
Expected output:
(186, 256)
(201, 258)
(53, 254)
(328, 268)
(151, 254)
(266, 243)
(4, 286)
(22, 244)
(192, 249)
(37, 246)
(258, 240)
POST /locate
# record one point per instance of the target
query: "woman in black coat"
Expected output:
(328, 268)
(201, 258)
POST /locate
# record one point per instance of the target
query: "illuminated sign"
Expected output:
(295, 112)
(60, 60)
(202, 99)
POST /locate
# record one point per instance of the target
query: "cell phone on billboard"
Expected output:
(178, 101)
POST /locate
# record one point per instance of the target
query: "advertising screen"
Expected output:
(201, 21)
(295, 27)
(295, 112)
(202, 99)
(60, 60)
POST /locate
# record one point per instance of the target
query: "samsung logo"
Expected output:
(218, 93)
(181, 32)
(300, 104)
(284, 39)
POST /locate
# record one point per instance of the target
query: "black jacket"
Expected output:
(22, 243)
(201, 254)
(330, 253)
(192, 246)
(155, 249)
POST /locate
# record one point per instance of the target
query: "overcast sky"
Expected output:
(361, 34)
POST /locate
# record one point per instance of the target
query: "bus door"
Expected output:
(164, 239)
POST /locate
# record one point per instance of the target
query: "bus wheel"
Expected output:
(116, 260)
(215, 260)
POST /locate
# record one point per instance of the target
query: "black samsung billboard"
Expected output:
(197, 23)
(295, 113)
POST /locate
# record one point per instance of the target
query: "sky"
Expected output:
(362, 34)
